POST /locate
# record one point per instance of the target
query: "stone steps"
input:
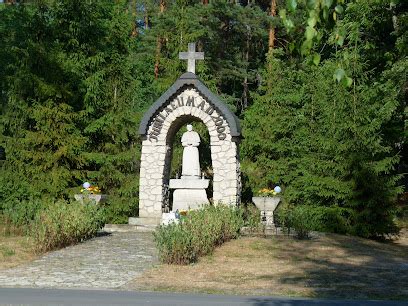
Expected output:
(144, 221)
(123, 228)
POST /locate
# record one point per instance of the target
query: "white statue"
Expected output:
(191, 162)
(189, 190)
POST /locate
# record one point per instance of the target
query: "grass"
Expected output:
(15, 247)
(6, 251)
(330, 265)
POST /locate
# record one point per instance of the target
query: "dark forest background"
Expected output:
(320, 87)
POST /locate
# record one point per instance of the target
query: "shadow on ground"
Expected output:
(353, 268)
(302, 302)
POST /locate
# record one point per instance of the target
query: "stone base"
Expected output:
(169, 218)
(98, 198)
(144, 221)
(186, 199)
(267, 218)
(189, 183)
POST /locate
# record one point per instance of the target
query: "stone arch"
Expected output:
(188, 99)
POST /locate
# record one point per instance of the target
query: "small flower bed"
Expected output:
(266, 192)
(90, 189)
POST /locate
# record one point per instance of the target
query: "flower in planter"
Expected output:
(90, 189)
(266, 192)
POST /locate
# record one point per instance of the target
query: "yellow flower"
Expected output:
(91, 189)
(267, 192)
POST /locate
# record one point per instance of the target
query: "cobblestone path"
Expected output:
(103, 262)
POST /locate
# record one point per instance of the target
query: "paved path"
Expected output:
(99, 297)
(105, 262)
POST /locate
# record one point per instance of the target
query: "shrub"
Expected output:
(306, 218)
(175, 244)
(252, 217)
(198, 233)
(118, 210)
(12, 186)
(22, 213)
(63, 223)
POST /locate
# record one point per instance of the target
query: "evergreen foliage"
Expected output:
(306, 218)
(328, 143)
(321, 87)
(72, 102)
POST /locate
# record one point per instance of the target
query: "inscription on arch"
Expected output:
(191, 101)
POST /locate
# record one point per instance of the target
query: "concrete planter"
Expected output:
(97, 198)
(267, 206)
(266, 203)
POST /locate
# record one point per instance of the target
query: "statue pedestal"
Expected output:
(189, 193)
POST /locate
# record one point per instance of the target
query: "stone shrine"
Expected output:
(187, 100)
(189, 190)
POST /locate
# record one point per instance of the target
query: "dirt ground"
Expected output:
(328, 265)
(15, 248)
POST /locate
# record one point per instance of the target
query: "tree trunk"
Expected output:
(146, 18)
(271, 44)
(158, 51)
(272, 13)
(159, 43)
(245, 93)
(393, 7)
(133, 9)
(162, 6)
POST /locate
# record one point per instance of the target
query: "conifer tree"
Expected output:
(327, 140)
(73, 103)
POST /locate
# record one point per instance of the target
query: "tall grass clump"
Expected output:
(65, 223)
(198, 233)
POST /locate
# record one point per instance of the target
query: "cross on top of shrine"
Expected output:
(191, 56)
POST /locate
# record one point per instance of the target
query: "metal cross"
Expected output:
(191, 56)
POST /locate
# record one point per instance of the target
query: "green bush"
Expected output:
(306, 218)
(252, 217)
(14, 188)
(118, 210)
(64, 223)
(22, 213)
(198, 233)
